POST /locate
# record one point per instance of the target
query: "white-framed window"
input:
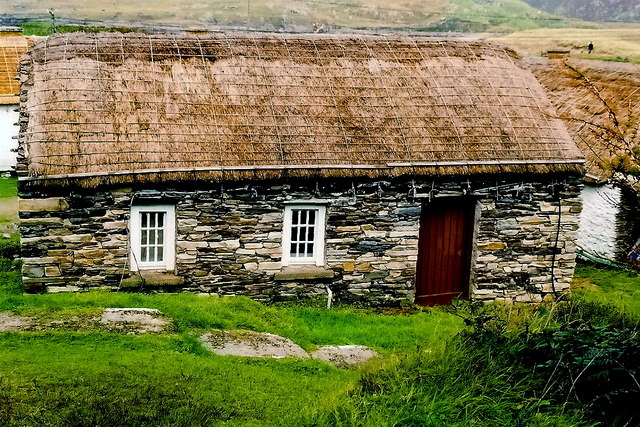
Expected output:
(303, 234)
(152, 230)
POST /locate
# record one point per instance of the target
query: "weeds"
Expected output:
(584, 357)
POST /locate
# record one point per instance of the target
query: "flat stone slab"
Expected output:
(135, 320)
(251, 344)
(344, 356)
(10, 322)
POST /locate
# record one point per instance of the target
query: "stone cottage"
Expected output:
(378, 170)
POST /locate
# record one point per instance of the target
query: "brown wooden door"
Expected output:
(444, 253)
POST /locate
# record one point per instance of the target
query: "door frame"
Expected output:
(471, 215)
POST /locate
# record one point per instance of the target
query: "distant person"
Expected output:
(590, 47)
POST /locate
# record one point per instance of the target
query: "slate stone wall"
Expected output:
(228, 238)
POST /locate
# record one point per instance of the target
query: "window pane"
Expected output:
(301, 245)
(150, 251)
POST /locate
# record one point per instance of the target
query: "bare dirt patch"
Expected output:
(127, 320)
(10, 322)
(344, 356)
(251, 344)
(583, 284)
(134, 320)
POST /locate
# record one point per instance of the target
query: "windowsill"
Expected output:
(304, 272)
(152, 278)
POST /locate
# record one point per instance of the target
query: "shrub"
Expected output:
(586, 358)
(594, 366)
(10, 248)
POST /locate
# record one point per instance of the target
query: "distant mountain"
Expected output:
(591, 10)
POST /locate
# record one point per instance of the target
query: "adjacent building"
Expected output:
(12, 47)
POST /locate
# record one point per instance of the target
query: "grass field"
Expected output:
(436, 15)
(609, 286)
(75, 378)
(614, 43)
(427, 374)
(70, 376)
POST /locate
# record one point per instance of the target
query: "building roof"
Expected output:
(232, 106)
(12, 47)
(600, 104)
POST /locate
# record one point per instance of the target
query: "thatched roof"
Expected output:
(222, 106)
(600, 105)
(12, 47)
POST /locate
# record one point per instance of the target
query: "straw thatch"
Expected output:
(12, 47)
(245, 106)
(600, 105)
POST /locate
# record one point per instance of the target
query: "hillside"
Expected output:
(613, 42)
(589, 10)
(304, 15)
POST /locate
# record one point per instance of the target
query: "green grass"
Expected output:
(463, 386)
(609, 286)
(8, 187)
(74, 377)
(307, 326)
(107, 379)
(38, 28)
(8, 207)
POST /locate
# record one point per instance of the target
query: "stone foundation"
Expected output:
(228, 238)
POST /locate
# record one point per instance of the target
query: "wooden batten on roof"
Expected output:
(130, 107)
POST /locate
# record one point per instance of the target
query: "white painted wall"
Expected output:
(597, 232)
(7, 130)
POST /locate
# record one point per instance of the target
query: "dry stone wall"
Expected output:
(229, 236)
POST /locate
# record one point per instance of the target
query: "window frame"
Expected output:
(169, 244)
(319, 236)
